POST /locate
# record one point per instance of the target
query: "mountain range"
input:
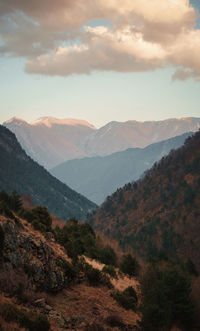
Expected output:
(98, 177)
(118, 136)
(18, 172)
(51, 141)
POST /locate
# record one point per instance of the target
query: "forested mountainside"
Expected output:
(20, 173)
(51, 141)
(98, 177)
(159, 215)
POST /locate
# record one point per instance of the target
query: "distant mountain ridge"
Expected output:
(119, 136)
(51, 141)
(20, 173)
(98, 177)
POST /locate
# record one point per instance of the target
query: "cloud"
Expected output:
(76, 12)
(54, 14)
(143, 35)
(154, 11)
(120, 50)
(185, 73)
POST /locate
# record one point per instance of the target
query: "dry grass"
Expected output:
(122, 282)
(93, 304)
(56, 221)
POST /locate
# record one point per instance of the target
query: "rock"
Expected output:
(49, 236)
(40, 302)
(36, 242)
(48, 308)
(58, 318)
(24, 250)
(38, 272)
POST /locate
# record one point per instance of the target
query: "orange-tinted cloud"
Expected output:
(143, 35)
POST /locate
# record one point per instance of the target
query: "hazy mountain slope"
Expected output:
(118, 136)
(98, 177)
(159, 214)
(19, 172)
(50, 141)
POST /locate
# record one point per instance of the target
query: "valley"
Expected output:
(99, 165)
(67, 264)
(51, 141)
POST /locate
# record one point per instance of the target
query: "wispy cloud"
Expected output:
(143, 35)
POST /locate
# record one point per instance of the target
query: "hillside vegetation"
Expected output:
(49, 279)
(159, 215)
(18, 172)
(47, 276)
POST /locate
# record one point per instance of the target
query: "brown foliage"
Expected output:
(158, 216)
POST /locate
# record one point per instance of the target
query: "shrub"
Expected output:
(107, 256)
(77, 238)
(166, 299)
(190, 266)
(19, 292)
(39, 322)
(94, 327)
(27, 214)
(4, 210)
(39, 217)
(1, 240)
(26, 319)
(12, 201)
(110, 271)
(29, 269)
(70, 270)
(95, 277)
(15, 202)
(129, 265)
(9, 312)
(114, 321)
(42, 220)
(127, 299)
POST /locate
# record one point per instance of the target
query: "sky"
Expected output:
(100, 60)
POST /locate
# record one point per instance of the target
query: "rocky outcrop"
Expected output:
(35, 274)
(28, 251)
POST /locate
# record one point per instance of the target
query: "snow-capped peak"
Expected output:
(16, 121)
(49, 121)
